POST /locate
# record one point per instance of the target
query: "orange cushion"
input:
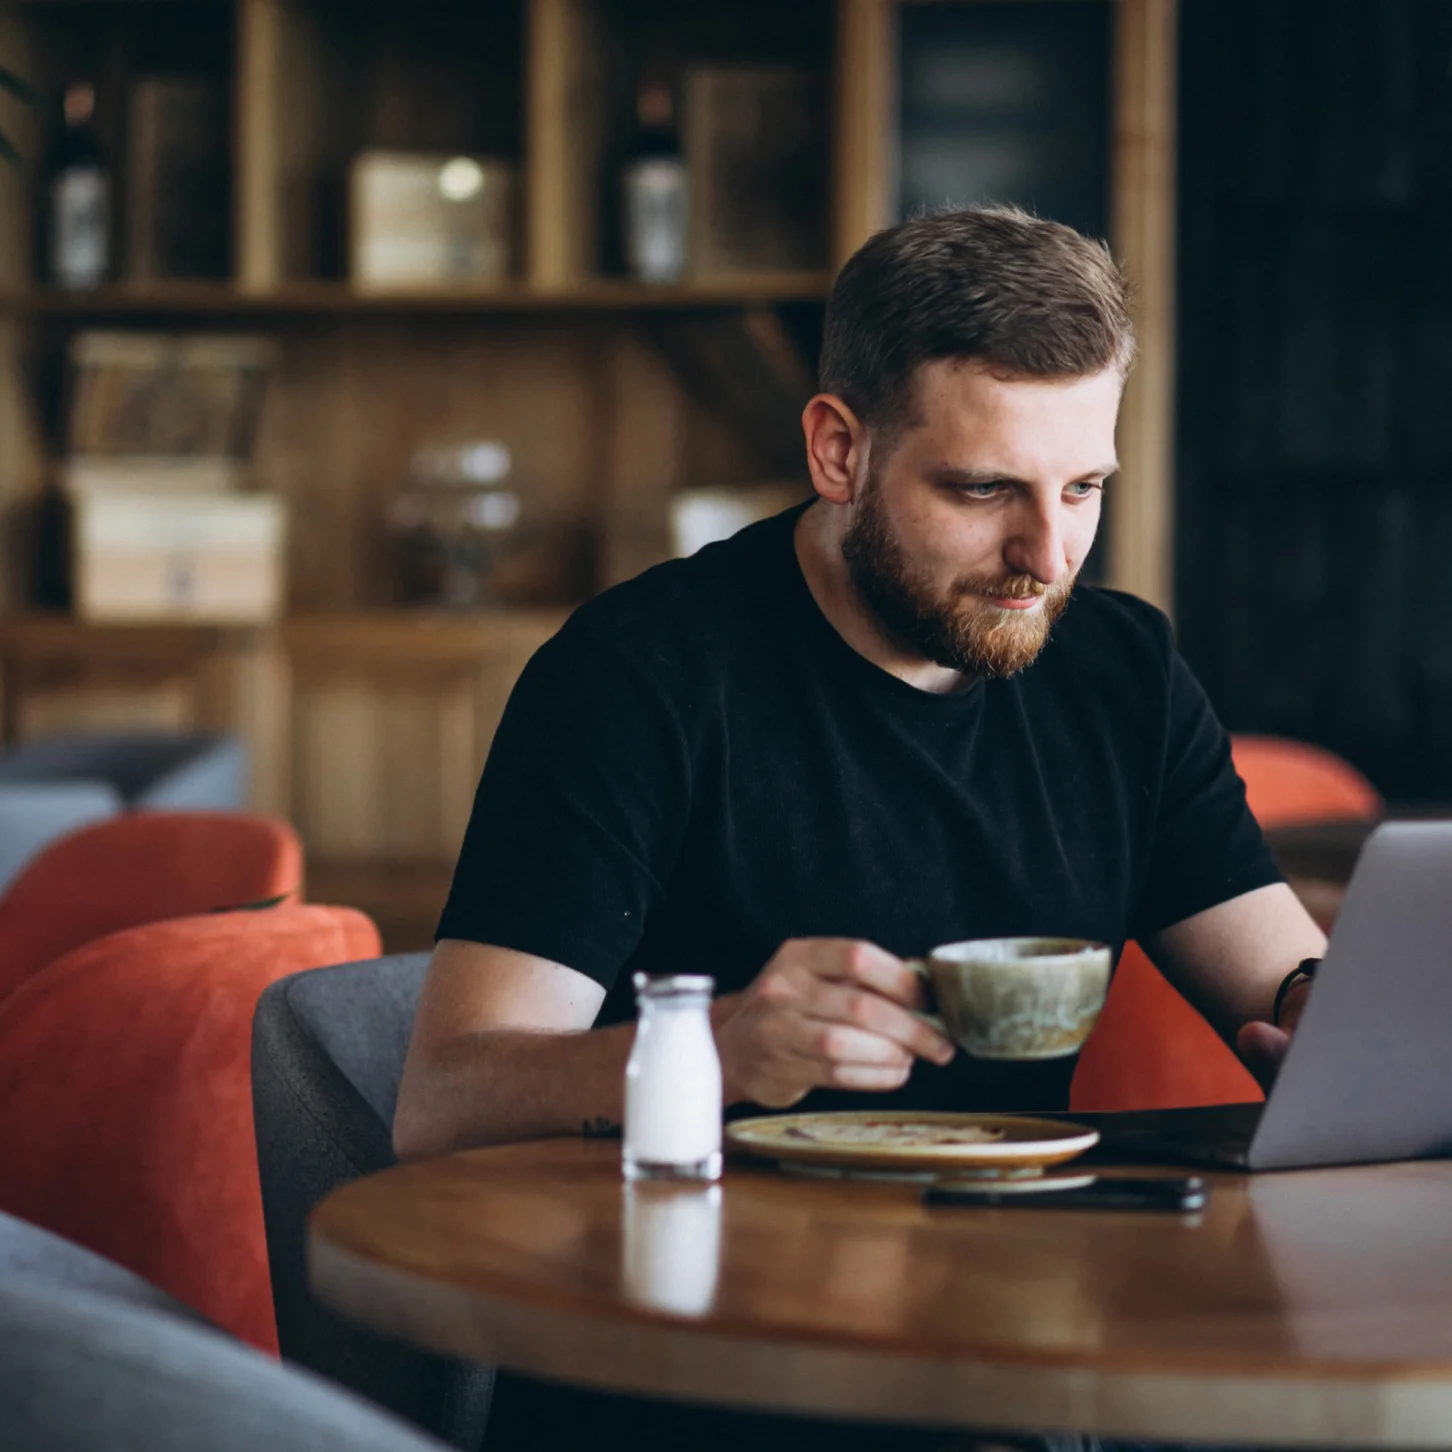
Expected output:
(1287, 782)
(1151, 1049)
(140, 868)
(126, 1097)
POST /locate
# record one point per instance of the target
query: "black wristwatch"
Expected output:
(1306, 968)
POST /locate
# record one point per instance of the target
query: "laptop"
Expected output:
(1368, 1075)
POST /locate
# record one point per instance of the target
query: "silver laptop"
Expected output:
(1368, 1075)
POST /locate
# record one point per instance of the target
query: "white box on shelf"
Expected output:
(419, 220)
(165, 556)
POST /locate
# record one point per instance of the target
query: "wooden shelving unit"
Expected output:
(305, 299)
(370, 727)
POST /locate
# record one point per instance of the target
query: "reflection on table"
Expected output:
(1311, 1308)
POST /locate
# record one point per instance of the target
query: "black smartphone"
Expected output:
(1077, 1193)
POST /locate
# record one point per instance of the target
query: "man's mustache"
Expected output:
(1004, 587)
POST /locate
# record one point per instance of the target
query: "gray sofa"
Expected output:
(57, 784)
(92, 1356)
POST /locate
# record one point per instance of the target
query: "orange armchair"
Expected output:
(140, 868)
(126, 1097)
(1151, 1049)
(1291, 782)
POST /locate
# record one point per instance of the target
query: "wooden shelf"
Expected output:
(327, 642)
(412, 635)
(368, 729)
(613, 295)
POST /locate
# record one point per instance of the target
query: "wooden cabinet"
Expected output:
(369, 726)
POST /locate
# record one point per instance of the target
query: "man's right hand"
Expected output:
(825, 1013)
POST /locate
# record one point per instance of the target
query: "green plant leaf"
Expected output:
(257, 907)
(20, 89)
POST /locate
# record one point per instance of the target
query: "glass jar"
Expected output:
(451, 523)
(673, 1083)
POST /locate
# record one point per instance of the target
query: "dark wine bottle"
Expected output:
(80, 196)
(654, 180)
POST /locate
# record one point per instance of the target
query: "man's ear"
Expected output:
(837, 445)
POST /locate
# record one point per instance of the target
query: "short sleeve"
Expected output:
(1207, 847)
(579, 812)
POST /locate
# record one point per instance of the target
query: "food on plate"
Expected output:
(891, 1133)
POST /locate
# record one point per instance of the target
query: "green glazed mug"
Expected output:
(1016, 998)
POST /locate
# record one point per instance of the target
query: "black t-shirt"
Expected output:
(698, 767)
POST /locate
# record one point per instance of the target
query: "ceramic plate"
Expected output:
(904, 1139)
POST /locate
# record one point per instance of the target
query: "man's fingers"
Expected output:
(822, 1073)
(862, 1076)
(781, 1093)
(1261, 1047)
(850, 960)
(825, 1042)
(864, 1009)
(827, 1013)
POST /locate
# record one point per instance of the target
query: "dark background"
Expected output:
(1314, 440)
(1314, 397)
(1002, 101)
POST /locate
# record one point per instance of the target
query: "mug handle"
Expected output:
(933, 1020)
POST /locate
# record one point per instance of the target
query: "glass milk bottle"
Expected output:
(673, 1083)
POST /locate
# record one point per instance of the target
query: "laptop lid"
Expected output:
(1368, 1075)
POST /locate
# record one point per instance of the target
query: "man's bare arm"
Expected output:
(1229, 961)
(500, 1052)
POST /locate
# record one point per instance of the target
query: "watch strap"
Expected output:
(1306, 968)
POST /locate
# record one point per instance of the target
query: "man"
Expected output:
(882, 722)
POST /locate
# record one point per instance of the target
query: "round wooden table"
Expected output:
(1313, 1307)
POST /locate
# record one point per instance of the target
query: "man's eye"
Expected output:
(1084, 488)
(979, 491)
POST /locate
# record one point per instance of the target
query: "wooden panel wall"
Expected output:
(58, 677)
(864, 169)
(391, 727)
(369, 732)
(20, 446)
(601, 428)
(564, 138)
(1141, 520)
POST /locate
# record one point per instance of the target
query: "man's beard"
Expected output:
(957, 628)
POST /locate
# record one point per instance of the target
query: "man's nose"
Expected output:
(1036, 545)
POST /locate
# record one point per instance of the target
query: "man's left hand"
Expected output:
(1262, 1045)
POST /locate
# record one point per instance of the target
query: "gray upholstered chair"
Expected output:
(327, 1053)
(80, 1371)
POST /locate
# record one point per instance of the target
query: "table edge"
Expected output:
(653, 1358)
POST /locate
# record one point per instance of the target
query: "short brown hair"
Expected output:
(1024, 295)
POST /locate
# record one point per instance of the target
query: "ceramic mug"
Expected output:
(1016, 998)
